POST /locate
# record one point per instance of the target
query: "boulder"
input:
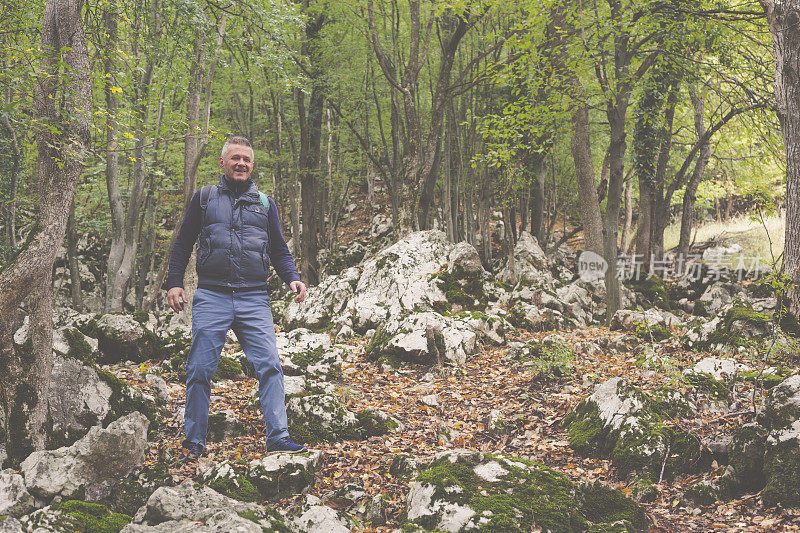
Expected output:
(426, 338)
(15, 500)
(629, 320)
(159, 386)
(319, 418)
(323, 303)
(462, 490)
(621, 422)
(279, 475)
(529, 262)
(81, 396)
(766, 455)
(532, 318)
(491, 326)
(734, 328)
(123, 337)
(198, 503)
(400, 279)
(74, 515)
(10, 524)
(225, 425)
(310, 354)
(314, 517)
(89, 468)
(70, 342)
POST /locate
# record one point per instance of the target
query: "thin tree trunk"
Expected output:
(72, 260)
(25, 370)
(16, 154)
(689, 197)
(626, 227)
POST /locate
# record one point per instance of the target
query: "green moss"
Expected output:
(551, 359)
(705, 382)
(602, 504)
(85, 517)
(374, 426)
(782, 470)
(700, 308)
(238, 488)
(249, 515)
(728, 334)
(126, 400)
(462, 288)
(702, 493)
(653, 289)
(127, 496)
(377, 343)
(79, 348)
(158, 475)
(386, 258)
(746, 455)
(19, 443)
(141, 317)
(652, 333)
(528, 496)
(585, 429)
(228, 368)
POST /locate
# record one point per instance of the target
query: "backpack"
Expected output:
(205, 194)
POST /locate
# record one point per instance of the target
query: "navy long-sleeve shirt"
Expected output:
(279, 254)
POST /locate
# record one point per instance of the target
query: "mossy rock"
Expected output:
(652, 332)
(781, 472)
(228, 368)
(116, 344)
(703, 494)
(705, 382)
(637, 437)
(127, 496)
(321, 418)
(377, 343)
(126, 399)
(463, 289)
(746, 455)
(742, 326)
(85, 517)
(374, 424)
(79, 348)
(238, 488)
(653, 290)
(498, 493)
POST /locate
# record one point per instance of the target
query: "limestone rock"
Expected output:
(92, 465)
(313, 517)
(463, 490)
(282, 474)
(622, 422)
(159, 386)
(15, 500)
(122, 338)
(426, 337)
(81, 396)
(400, 279)
(320, 417)
(323, 303)
(225, 425)
(529, 261)
(188, 502)
(10, 525)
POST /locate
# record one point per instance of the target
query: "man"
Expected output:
(240, 237)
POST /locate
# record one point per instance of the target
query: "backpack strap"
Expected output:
(264, 201)
(205, 194)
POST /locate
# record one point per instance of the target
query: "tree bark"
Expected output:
(72, 260)
(25, 370)
(11, 209)
(689, 197)
(591, 219)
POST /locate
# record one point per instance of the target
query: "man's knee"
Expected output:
(200, 372)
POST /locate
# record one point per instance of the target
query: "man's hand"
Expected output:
(176, 297)
(299, 288)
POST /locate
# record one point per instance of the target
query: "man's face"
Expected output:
(237, 163)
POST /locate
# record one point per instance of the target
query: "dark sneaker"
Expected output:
(190, 453)
(286, 445)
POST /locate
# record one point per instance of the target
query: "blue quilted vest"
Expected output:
(233, 246)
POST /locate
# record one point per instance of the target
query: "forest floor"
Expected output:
(535, 403)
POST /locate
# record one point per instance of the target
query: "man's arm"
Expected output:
(280, 256)
(181, 252)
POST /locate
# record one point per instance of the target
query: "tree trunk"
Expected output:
(626, 227)
(72, 259)
(587, 188)
(25, 370)
(11, 209)
(537, 200)
(689, 197)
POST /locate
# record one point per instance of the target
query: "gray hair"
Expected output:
(238, 141)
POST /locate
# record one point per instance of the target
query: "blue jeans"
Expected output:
(249, 315)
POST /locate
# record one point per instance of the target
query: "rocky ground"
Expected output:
(435, 396)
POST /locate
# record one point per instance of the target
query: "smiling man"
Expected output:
(239, 237)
